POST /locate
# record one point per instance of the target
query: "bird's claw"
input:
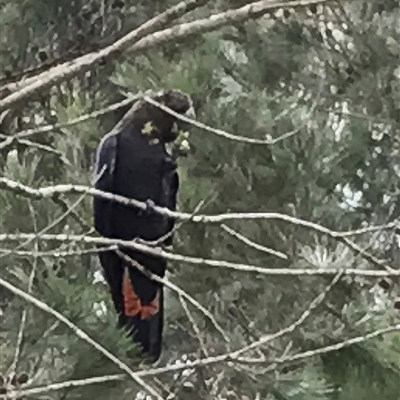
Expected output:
(150, 207)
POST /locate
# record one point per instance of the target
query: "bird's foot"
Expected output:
(150, 207)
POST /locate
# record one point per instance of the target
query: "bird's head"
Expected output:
(160, 124)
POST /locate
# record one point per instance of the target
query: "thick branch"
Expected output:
(71, 69)
(50, 191)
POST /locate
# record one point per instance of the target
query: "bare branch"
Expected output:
(51, 191)
(131, 40)
(52, 224)
(219, 132)
(364, 253)
(22, 325)
(208, 361)
(252, 244)
(72, 68)
(303, 355)
(65, 238)
(9, 140)
(195, 327)
(62, 385)
(57, 253)
(313, 305)
(80, 333)
(50, 128)
(334, 347)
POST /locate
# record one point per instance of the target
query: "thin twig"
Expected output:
(58, 253)
(49, 226)
(194, 326)
(237, 138)
(9, 140)
(313, 305)
(219, 132)
(252, 244)
(172, 231)
(334, 347)
(50, 128)
(22, 325)
(62, 386)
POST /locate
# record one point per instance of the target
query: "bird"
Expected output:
(138, 159)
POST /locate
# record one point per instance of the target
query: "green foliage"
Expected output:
(324, 84)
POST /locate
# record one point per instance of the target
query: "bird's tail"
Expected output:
(144, 322)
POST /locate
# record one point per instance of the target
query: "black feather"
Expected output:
(133, 162)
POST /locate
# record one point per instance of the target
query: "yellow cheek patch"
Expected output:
(148, 128)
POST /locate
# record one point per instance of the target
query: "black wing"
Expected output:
(172, 204)
(106, 158)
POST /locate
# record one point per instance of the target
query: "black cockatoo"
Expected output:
(137, 159)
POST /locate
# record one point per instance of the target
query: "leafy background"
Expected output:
(330, 76)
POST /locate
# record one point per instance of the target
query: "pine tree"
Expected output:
(317, 87)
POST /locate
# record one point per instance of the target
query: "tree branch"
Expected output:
(204, 362)
(10, 140)
(252, 244)
(51, 191)
(65, 238)
(49, 128)
(219, 132)
(20, 336)
(313, 305)
(30, 86)
(80, 333)
(333, 347)
(131, 41)
(51, 225)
